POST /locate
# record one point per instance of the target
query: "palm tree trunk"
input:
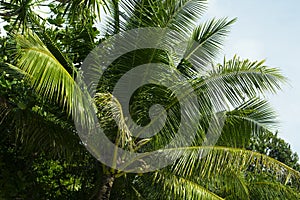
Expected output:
(107, 183)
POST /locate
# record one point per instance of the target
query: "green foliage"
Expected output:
(43, 158)
(271, 145)
(35, 176)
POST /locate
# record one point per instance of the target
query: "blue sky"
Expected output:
(269, 29)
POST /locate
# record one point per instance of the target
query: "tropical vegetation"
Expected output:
(42, 156)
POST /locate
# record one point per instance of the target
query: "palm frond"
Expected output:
(83, 9)
(45, 73)
(235, 184)
(206, 42)
(272, 190)
(37, 130)
(180, 15)
(18, 11)
(48, 133)
(53, 48)
(205, 161)
(230, 185)
(176, 187)
(185, 15)
(250, 119)
(238, 80)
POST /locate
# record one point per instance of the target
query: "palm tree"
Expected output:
(236, 87)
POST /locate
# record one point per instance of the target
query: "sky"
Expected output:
(269, 29)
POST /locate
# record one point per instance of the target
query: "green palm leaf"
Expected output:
(250, 119)
(83, 9)
(177, 187)
(45, 73)
(206, 42)
(217, 160)
(238, 80)
(180, 15)
(272, 190)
